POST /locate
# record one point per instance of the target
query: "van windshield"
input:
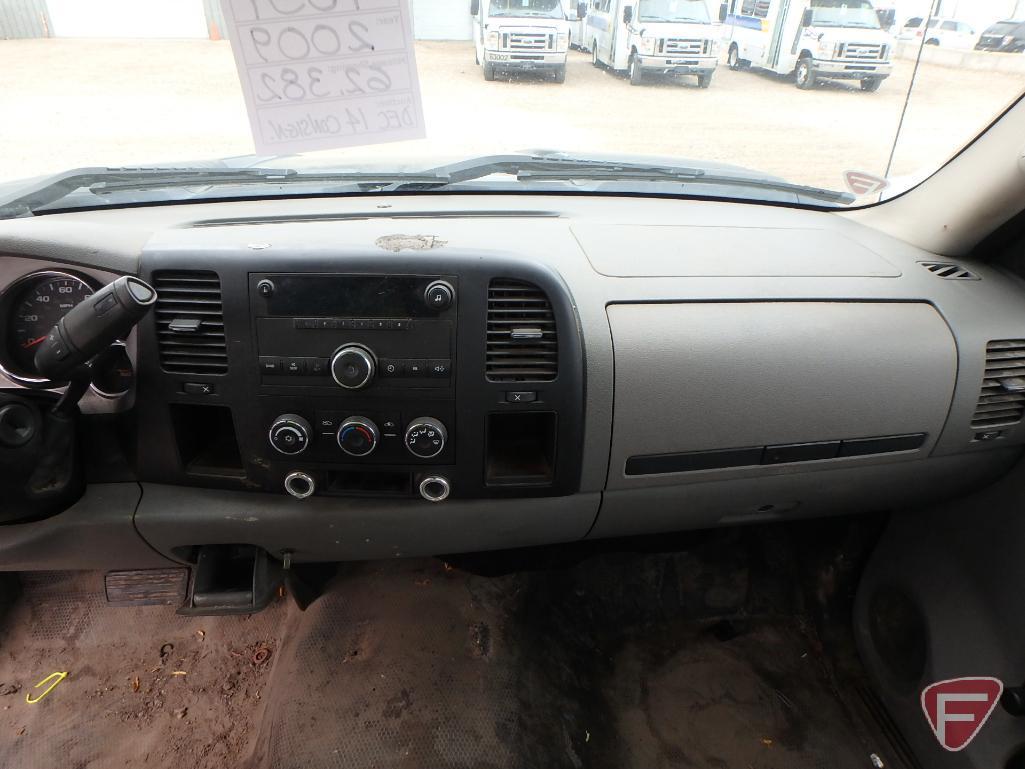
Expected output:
(551, 9)
(674, 10)
(844, 13)
(1005, 28)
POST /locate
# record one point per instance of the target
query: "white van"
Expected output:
(812, 39)
(522, 35)
(653, 36)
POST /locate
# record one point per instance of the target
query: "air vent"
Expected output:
(190, 323)
(522, 344)
(949, 271)
(1002, 401)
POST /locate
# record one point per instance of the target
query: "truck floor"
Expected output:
(700, 658)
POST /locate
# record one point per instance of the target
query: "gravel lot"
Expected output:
(67, 103)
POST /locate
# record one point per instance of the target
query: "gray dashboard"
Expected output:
(738, 363)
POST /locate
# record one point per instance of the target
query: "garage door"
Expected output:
(442, 20)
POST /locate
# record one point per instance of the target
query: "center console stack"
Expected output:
(432, 383)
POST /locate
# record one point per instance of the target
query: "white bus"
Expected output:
(811, 39)
(522, 35)
(653, 36)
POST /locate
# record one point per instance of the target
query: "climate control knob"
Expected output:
(358, 436)
(290, 434)
(353, 366)
(425, 437)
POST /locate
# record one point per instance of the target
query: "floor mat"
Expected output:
(695, 659)
(145, 687)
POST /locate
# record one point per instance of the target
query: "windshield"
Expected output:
(547, 8)
(109, 103)
(844, 13)
(1005, 28)
(674, 10)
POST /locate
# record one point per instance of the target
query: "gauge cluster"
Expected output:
(30, 306)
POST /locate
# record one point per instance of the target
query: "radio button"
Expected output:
(294, 366)
(391, 367)
(441, 367)
(439, 295)
(416, 368)
(317, 366)
(270, 365)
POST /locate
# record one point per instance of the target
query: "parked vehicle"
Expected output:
(578, 27)
(946, 33)
(811, 39)
(668, 37)
(1004, 36)
(522, 35)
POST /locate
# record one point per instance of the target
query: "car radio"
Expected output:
(354, 370)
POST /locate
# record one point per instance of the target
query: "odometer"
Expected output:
(33, 311)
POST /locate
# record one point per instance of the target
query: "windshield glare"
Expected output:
(844, 13)
(674, 10)
(278, 98)
(547, 8)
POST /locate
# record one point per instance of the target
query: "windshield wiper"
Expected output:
(107, 181)
(527, 168)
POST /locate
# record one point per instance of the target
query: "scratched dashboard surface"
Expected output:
(685, 659)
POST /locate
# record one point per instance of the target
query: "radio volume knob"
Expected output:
(426, 437)
(290, 434)
(353, 366)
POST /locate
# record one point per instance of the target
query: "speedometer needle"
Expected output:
(33, 342)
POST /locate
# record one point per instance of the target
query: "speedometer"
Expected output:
(34, 308)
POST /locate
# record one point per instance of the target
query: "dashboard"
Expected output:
(365, 377)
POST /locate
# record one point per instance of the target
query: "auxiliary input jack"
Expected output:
(435, 488)
(300, 485)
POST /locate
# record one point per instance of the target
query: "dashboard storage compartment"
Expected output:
(520, 449)
(795, 384)
(207, 444)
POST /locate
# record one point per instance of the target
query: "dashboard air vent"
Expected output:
(522, 343)
(1002, 401)
(949, 271)
(190, 322)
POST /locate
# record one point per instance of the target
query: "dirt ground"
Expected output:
(70, 103)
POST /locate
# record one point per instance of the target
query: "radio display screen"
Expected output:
(348, 296)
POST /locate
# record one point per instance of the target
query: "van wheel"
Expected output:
(932, 41)
(704, 81)
(594, 54)
(636, 74)
(489, 71)
(871, 84)
(733, 58)
(560, 74)
(804, 75)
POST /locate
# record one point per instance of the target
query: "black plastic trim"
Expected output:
(792, 453)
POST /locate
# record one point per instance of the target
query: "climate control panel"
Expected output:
(365, 435)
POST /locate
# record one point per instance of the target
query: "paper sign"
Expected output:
(323, 74)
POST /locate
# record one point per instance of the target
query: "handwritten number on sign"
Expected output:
(326, 40)
(302, 48)
(293, 44)
(268, 85)
(364, 44)
(380, 81)
(281, 9)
